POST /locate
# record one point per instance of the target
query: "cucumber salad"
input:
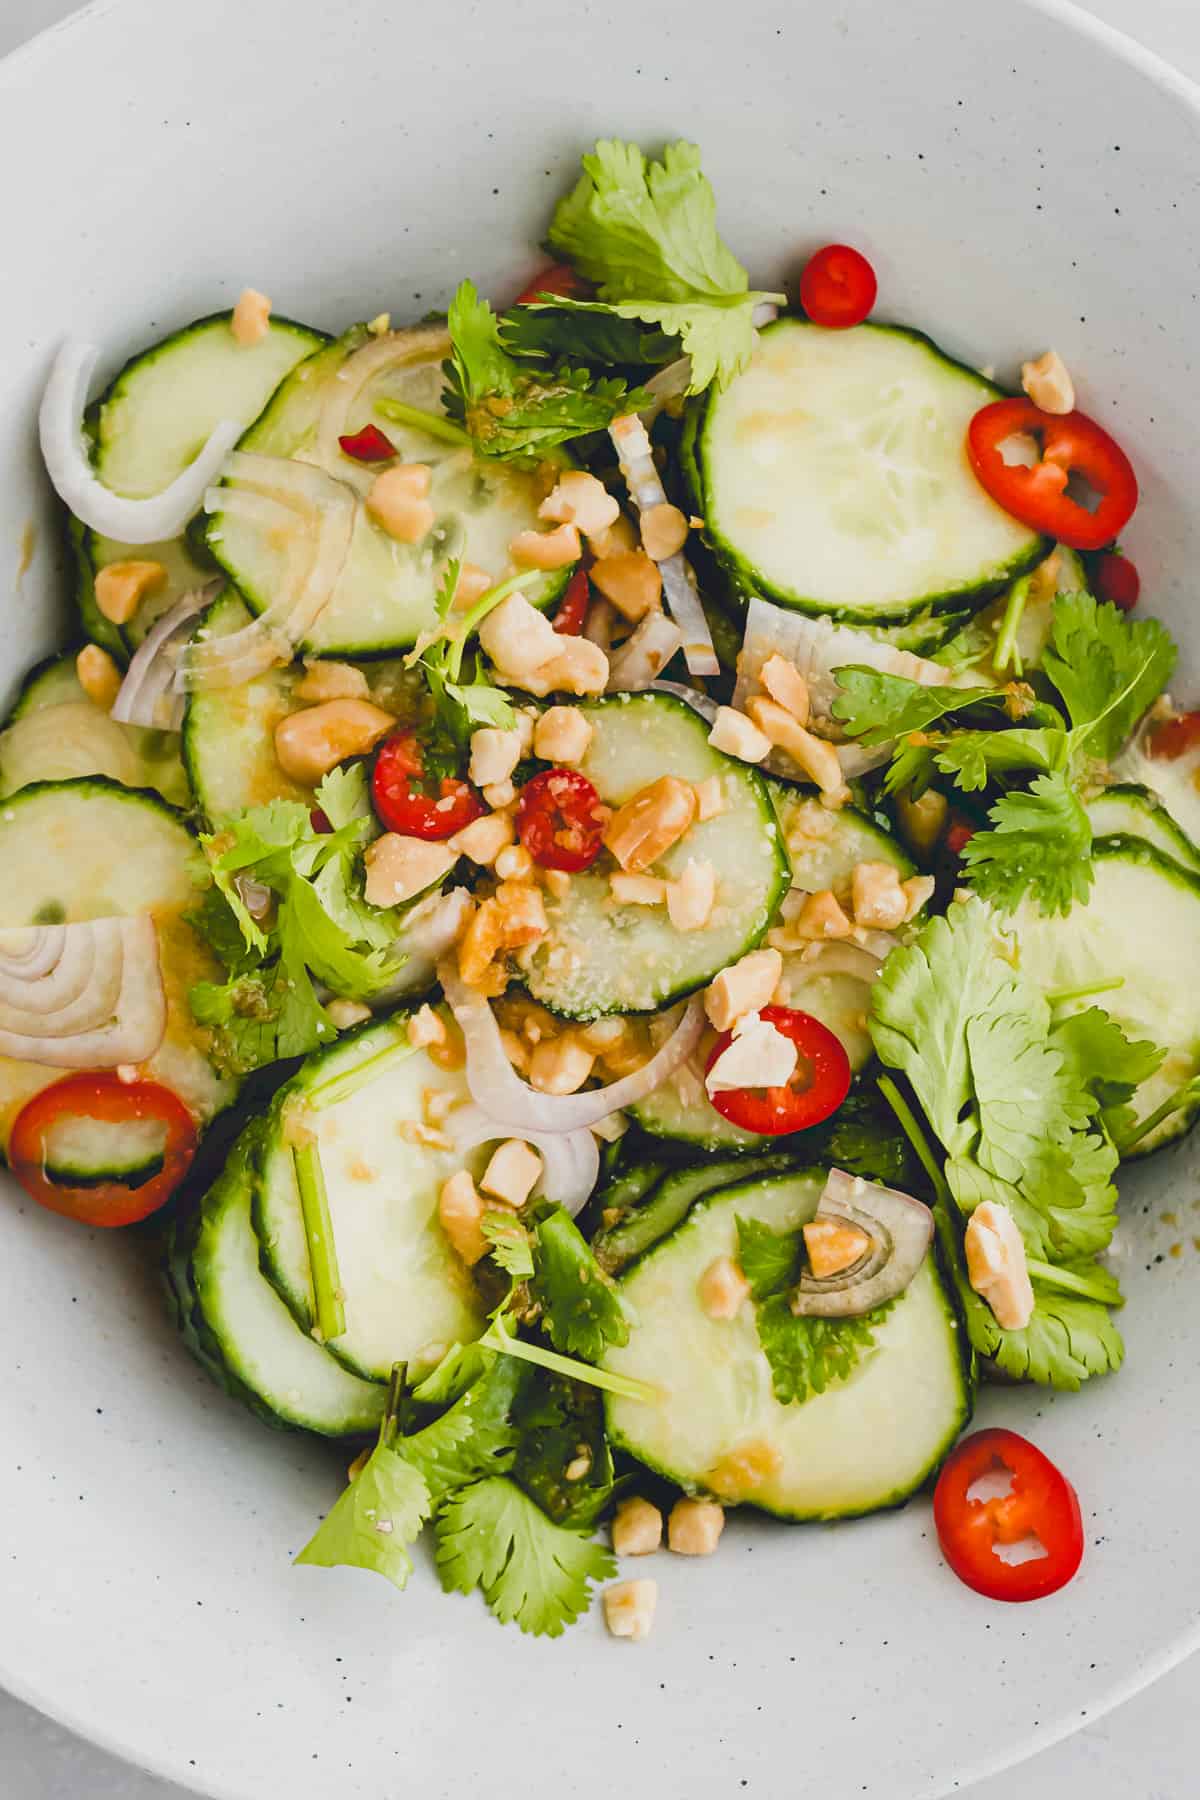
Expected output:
(610, 878)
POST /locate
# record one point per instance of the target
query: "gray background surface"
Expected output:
(1147, 1750)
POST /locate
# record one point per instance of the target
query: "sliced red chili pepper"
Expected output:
(556, 278)
(958, 835)
(817, 1089)
(1041, 1504)
(561, 820)
(572, 608)
(108, 1099)
(319, 820)
(1071, 443)
(414, 802)
(1174, 737)
(370, 445)
(838, 287)
(1115, 579)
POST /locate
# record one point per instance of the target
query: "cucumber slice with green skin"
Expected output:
(1131, 811)
(977, 641)
(228, 734)
(1176, 782)
(77, 738)
(90, 849)
(598, 957)
(404, 1288)
(1141, 922)
(147, 428)
(824, 847)
(866, 1443)
(834, 478)
(385, 595)
(241, 1331)
(669, 1203)
(52, 682)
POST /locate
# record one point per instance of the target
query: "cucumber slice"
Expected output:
(385, 595)
(148, 427)
(978, 640)
(245, 1335)
(1140, 922)
(867, 1442)
(90, 849)
(825, 847)
(601, 958)
(668, 1204)
(1131, 811)
(83, 1152)
(229, 733)
(52, 682)
(1175, 782)
(404, 1288)
(75, 738)
(834, 478)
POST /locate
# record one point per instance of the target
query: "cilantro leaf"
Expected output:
(1102, 1060)
(874, 706)
(510, 1243)
(974, 758)
(374, 1521)
(805, 1354)
(581, 1308)
(515, 409)
(491, 1536)
(646, 234)
(1025, 1095)
(475, 1436)
(1040, 842)
(770, 1260)
(1107, 667)
(543, 331)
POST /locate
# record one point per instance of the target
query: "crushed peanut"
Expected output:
(833, 1245)
(426, 1028)
(495, 753)
(723, 1288)
(484, 839)
(121, 587)
(814, 756)
(637, 1528)
(786, 685)
(560, 1065)
(878, 900)
(512, 1173)
(664, 531)
(710, 799)
(98, 676)
(331, 681)
(347, 1013)
(1048, 383)
(638, 890)
(311, 742)
(460, 1212)
(821, 917)
(546, 549)
(399, 868)
(514, 863)
(745, 987)
(690, 899)
(648, 824)
(397, 504)
(996, 1265)
(695, 1526)
(522, 913)
(629, 1608)
(580, 499)
(562, 735)
(630, 581)
(735, 735)
(251, 318)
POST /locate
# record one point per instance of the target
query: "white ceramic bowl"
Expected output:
(1019, 177)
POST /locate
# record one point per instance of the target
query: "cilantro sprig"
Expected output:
(806, 1354)
(463, 696)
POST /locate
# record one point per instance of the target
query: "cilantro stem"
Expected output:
(1183, 1096)
(337, 1088)
(318, 1235)
(915, 1136)
(1006, 642)
(432, 424)
(1068, 1282)
(1060, 996)
(496, 1338)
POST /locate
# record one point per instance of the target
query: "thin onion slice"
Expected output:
(432, 927)
(147, 521)
(842, 959)
(679, 583)
(343, 392)
(570, 1159)
(146, 695)
(499, 1090)
(647, 650)
(700, 702)
(101, 1001)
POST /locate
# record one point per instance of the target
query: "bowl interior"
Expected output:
(360, 157)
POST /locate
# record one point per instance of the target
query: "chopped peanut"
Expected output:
(834, 1245)
(522, 914)
(877, 897)
(785, 684)
(560, 1066)
(495, 753)
(394, 505)
(817, 758)
(347, 1013)
(664, 532)
(647, 825)
(637, 1528)
(514, 863)
(746, 986)
(733, 734)
(917, 890)
(399, 868)
(122, 586)
(821, 917)
(499, 794)
(546, 549)
(460, 1211)
(577, 667)
(630, 581)
(479, 944)
(98, 675)
(710, 801)
(562, 735)
(331, 681)
(1048, 383)
(426, 1028)
(518, 637)
(604, 1034)
(695, 1526)
(557, 882)
(620, 536)
(310, 743)
(251, 318)
(513, 1172)
(515, 1051)
(996, 1265)
(629, 1608)
(723, 1288)
(638, 890)
(484, 839)
(690, 900)
(472, 584)
(579, 499)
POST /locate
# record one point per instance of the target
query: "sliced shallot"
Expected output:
(645, 651)
(147, 695)
(704, 704)
(679, 583)
(148, 521)
(82, 996)
(570, 1159)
